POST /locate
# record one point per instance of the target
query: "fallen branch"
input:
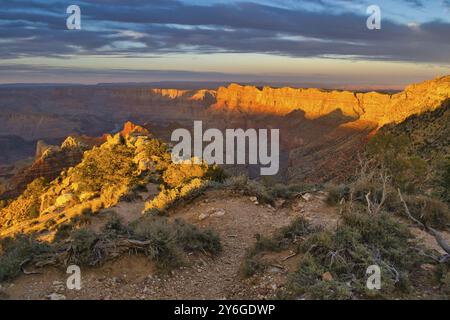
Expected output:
(440, 240)
(22, 268)
(436, 234)
(290, 256)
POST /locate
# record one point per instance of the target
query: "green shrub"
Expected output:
(264, 244)
(170, 197)
(444, 181)
(335, 193)
(162, 247)
(114, 224)
(300, 227)
(360, 241)
(26, 206)
(63, 232)
(409, 172)
(265, 193)
(280, 241)
(190, 238)
(167, 240)
(251, 266)
(159, 153)
(236, 183)
(178, 174)
(431, 212)
(109, 166)
(84, 251)
(15, 251)
(330, 290)
(82, 218)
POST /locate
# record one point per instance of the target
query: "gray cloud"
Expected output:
(37, 28)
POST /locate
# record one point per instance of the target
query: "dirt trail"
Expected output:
(235, 218)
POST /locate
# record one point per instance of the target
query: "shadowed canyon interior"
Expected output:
(321, 131)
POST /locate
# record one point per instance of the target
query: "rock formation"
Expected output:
(374, 107)
(313, 123)
(49, 162)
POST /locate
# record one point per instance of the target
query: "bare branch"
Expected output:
(369, 203)
(384, 179)
(440, 240)
(408, 213)
(290, 256)
(437, 235)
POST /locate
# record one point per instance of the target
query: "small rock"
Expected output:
(59, 289)
(327, 276)
(254, 200)
(56, 296)
(307, 196)
(275, 270)
(58, 286)
(218, 213)
(203, 216)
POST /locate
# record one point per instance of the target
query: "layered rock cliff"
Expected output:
(374, 107)
(314, 124)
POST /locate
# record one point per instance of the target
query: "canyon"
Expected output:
(321, 131)
(110, 200)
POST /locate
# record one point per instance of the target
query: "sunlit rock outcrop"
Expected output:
(374, 107)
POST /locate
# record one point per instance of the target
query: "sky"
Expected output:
(323, 42)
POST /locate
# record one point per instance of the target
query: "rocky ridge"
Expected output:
(374, 107)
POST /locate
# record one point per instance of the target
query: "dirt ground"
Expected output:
(237, 219)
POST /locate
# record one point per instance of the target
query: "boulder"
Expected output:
(65, 199)
(56, 296)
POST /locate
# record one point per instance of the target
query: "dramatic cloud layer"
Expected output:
(139, 27)
(412, 30)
